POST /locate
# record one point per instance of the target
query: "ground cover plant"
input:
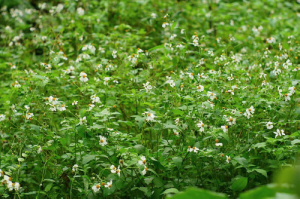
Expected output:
(143, 99)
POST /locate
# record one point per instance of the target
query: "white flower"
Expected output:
(29, 116)
(108, 184)
(91, 106)
(292, 90)
(59, 8)
(40, 150)
(211, 95)
(231, 92)
(225, 128)
(219, 144)
(63, 107)
(201, 125)
(200, 88)
(170, 81)
(287, 97)
(193, 149)
(279, 133)
(228, 159)
(142, 161)
(165, 24)
(80, 11)
(106, 80)
(173, 36)
(16, 84)
(90, 48)
(74, 102)
(249, 112)
(2, 117)
(147, 86)
(75, 168)
(10, 185)
(153, 15)
(95, 99)
(83, 77)
(83, 120)
(150, 117)
(96, 188)
(114, 169)
(271, 40)
(103, 141)
(114, 54)
(269, 125)
(231, 120)
(145, 170)
(16, 186)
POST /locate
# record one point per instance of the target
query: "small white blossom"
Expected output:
(108, 184)
(142, 161)
(83, 77)
(80, 11)
(228, 159)
(103, 141)
(200, 88)
(2, 117)
(154, 15)
(96, 188)
(75, 168)
(279, 133)
(224, 128)
(231, 120)
(147, 86)
(83, 121)
(269, 125)
(193, 149)
(201, 125)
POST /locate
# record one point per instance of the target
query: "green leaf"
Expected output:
(158, 182)
(195, 193)
(261, 171)
(242, 161)
(156, 48)
(87, 158)
(260, 145)
(177, 161)
(260, 192)
(171, 190)
(296, 141)
(239, 184)
(139, 148)
(48, 187)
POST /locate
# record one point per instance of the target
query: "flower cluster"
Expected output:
(7, 180)
(55, 104)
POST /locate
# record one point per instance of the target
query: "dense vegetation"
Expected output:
(143, 99)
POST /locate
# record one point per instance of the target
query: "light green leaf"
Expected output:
(261, 171)
(171, 190)
(239, 184)
(195, 193)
